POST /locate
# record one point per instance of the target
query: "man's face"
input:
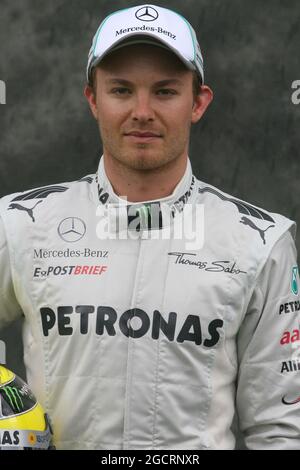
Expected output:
(144, 106)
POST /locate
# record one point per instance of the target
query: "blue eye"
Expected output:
(166, 91)
(120, 91)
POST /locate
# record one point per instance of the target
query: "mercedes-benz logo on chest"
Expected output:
(71, 229)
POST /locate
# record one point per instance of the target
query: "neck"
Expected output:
(144, 185)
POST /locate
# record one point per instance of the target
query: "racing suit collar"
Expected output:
(153, 214)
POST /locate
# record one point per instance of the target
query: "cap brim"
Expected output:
(145, 38)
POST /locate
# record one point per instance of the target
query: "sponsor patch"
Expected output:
(290, 307)
(295, 278)
(75, 270)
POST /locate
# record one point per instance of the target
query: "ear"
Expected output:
(201, 103)
(91, 98)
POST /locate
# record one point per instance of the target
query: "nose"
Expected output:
(142, 110)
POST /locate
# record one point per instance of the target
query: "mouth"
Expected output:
(146, 136)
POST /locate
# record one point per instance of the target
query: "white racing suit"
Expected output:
(149, 343)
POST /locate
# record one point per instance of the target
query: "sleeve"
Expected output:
(9, 306)
(268, 388)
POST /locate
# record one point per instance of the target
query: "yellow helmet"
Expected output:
(23, 423)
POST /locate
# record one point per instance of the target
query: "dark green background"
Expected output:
(247, 143)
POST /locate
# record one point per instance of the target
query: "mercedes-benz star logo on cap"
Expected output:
(146, 14)
(71, 229)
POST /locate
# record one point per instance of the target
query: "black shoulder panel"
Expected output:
(243, 207)
(40, 193)
(88, 179)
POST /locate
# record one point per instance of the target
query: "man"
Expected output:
(137, 337)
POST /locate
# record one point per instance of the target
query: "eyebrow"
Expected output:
(161, 83)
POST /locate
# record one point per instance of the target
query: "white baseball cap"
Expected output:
(147, 24)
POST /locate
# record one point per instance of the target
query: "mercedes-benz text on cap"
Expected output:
(147, 24)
